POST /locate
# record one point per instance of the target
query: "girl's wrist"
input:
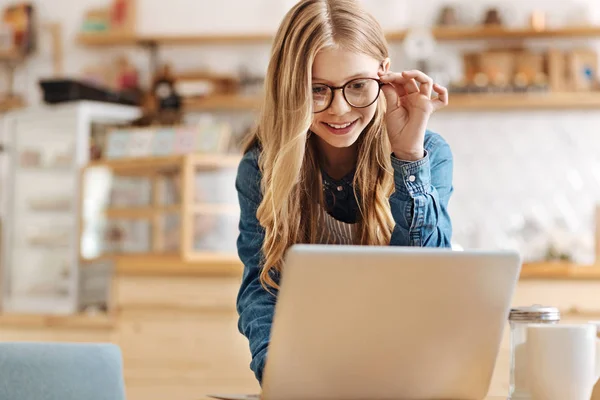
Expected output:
(409, 155)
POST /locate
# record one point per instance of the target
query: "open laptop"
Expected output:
(369, 322)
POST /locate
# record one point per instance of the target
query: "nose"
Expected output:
(339, 105)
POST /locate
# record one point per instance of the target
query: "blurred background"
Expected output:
(120, 138)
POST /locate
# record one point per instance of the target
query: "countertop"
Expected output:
(78, 321)
(230, 266)
(560, 271)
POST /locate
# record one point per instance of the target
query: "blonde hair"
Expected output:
(291, 180)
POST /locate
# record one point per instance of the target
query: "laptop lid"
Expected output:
(357, 322)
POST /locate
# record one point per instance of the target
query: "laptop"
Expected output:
(384, 322)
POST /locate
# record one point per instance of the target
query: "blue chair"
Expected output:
(61, 371)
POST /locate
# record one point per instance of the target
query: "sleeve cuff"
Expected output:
(412, 177)
(258, 365)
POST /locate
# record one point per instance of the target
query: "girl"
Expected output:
(332, 160)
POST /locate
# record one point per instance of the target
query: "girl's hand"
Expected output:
(409, 107)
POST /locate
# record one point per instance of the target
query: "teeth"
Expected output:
(340, 126)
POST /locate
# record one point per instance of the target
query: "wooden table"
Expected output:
(487, 398)
(500, 380)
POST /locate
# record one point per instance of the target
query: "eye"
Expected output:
(319, 90)
(357, 85)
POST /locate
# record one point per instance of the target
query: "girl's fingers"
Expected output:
(411, 86)
(399, 81)
(406, 83)
(442, 99)
(391, 96)
(400, 90)
(425, 82)
(393, 77)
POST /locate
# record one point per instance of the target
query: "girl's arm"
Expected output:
(420, 201)
(255, 305)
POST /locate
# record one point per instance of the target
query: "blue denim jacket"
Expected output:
(419, 208)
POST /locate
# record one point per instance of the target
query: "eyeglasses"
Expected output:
(359, 93)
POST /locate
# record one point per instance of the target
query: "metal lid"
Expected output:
(534, 313)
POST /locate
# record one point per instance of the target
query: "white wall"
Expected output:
(511, 167)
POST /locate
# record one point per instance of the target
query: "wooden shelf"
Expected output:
(559, 271)
(149, 211)
(440, 33)
(491, 101)
(9, 104)
(525, 101)
(146, 166)
(479, 33)
(51, 169)
(483, 33)
(10, 55)
(223, 102)
(79, 321)
(170, 265)
(207, 264)
(108, 39)
(212, 209)
(140, 212)
(458, 101)
(230, 265)
(211, 161)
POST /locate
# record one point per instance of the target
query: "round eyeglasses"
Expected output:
(359, 93)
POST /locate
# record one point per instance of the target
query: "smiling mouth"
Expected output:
(340, 129)
(340, 126)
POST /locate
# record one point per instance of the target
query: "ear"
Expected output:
(385, 65)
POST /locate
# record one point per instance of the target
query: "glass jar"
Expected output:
(520, 318)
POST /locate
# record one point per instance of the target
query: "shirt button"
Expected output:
(340, 188)
(412, 178)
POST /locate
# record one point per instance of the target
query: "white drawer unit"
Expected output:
(47, 146)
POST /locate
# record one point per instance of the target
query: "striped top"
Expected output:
(334, 231)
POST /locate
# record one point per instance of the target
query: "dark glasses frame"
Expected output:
(343, 89)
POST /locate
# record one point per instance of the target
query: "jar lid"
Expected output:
(534, 313)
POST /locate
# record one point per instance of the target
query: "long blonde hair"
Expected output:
(291, 180)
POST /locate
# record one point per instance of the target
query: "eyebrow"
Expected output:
(359, 75)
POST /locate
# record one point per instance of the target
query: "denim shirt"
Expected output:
(418, 205)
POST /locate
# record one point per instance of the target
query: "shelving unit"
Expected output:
(195, 221)
(459, 102)
(46, 147)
